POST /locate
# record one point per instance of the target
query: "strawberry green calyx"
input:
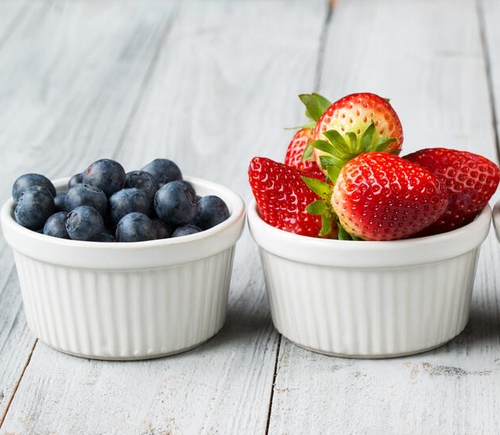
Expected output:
(323, 207)
(334, 153)
(338, 149)
(315, 104)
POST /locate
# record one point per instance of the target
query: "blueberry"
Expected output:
(128, 200)
(142, 180)
(162, 229)
(190, 187)
(75, 179)
(86, 223)
(55, 226)
(86, 194)
(175, 203)
(106, 236)
(106, 174)
(59, 201)
(164, 170)
(212, 210)
(28, 180)
(34, 207)
(135, 227)
(186, 230)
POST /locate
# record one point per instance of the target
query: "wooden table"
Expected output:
(210, 84)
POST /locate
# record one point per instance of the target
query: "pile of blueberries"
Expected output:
(106, 204)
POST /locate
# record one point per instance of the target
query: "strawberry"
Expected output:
(315, 106)
(380, 196)
(295, 152)
(355, 124)
(469, 180)
(355, 112)
(282, 196)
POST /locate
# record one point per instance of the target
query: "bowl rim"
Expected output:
(368, 254)
(496, 218)
(169, 251)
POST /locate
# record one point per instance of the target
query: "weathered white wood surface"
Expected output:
(210, 84)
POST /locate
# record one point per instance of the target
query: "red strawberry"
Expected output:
(282, 196)
(355, 112)
(469, 179)
(380, 196)
(295, 152)
(356, 123)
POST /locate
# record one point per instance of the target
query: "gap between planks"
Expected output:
(489, 79)
(14, 391)
(275, 375)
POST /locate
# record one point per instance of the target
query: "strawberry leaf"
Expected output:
(324, 146)
(367, 137)
(308, 153)
(317, 207)
(326, 225)
(343, 234)
(333, 172)
(383, 142)
(355, 143)
(326, 160)
(321, 207)
(320, 188)
(338, 142)
(308, 125)
(315, 105)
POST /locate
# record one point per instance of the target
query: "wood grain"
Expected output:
(434, 69)
(210, 84)
(172, 79)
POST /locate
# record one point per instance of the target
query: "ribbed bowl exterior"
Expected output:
(369, 312)
(125, 301)
(369, 299)
(133, 314)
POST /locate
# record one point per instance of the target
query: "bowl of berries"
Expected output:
(367, 252)
(123, 265)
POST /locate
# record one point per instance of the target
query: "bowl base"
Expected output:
(372, 356)
(143, 357)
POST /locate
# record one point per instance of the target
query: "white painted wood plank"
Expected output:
(428, 58)
(16, 343)
(453, 389)
(71, 73)
(222, 86)
(46, 71)
(207, 390)
(227, 85)
(490, 16)
(224, 385)
(12, 11)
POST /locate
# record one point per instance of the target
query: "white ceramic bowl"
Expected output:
(127, 300)
(496, 219)
(369, 299)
